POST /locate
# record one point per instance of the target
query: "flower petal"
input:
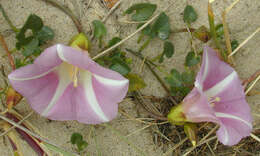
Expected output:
(82, 60)
(197, 109)
(73, 105)
(43, 65)
(212, 71)
(38, 92)
(47, 84)
(232, 129)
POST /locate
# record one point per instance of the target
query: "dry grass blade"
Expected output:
(138, 130)
(89, 3)
(244, 42)
(68, 12)
(255, 137)
(10, 58)
(201, 141)
(21, 121)
(226, 31)
(111, 11)
(253, 84)
(169, 152)
(128, 37)
(30, 132)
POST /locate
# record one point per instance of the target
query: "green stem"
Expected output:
(68, 12)
(146, 43)
(147, 62)
(213, 30)
(8, 20)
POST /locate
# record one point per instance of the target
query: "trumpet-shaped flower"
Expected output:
(218, 96)
(63, 83)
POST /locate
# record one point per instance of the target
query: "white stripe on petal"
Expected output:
(229, 116)
(226, 137)
(205, 71)
(111, 82)
(60, 53)
(64, 81)
(86, 80)
(33, 77)
(220, 86)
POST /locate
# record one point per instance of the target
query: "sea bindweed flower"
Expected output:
(218, 97)
(64, 83)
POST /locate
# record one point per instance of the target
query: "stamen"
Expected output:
(213, 100)
(75, 76)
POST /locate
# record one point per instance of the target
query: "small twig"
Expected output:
(213, 30)
(251, 78)
(191, 40)
(68, 12)
(128, 37)
(255, 137)
(183, 30)
(155, 74)
(226, 31)
(10, 58)
(244, 42)
(29, 132)
(90, 1)
(8, 20)
(156, 116)
(111, 11)
(131, 22)
(21, 121)
(202, 141)
(169, 152)
(253, 84)
(211, 150)
(138, 130)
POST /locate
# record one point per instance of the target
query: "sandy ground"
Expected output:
(242, 20)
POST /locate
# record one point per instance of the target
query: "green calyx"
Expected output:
(176, 115)
(190, 130)
(80, 41)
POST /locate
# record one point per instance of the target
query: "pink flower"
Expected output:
(219, 97)
(63, 83)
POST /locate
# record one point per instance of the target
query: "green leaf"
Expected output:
(234, 44)
(31, 48)
(33, 23)
(82, 145)
(192, 59)
(168, 50)
(75, 138)
(120, 66)
(99, 29)
(161, 27)
(40, 34)
(45, 34)
(190, 14)
(135, 82)
(175, 79)
(147, 30)
(220, 30)
(143, 11)
(188, 77)
(113, 41)
(19, 63)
